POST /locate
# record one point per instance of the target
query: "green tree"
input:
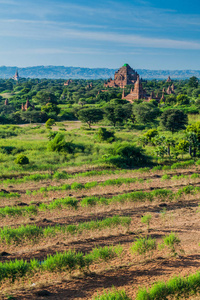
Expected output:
(116, 113)
(50, 108)
(192, 139)
(170, 100)
(182, 146)
(182, 99)
(173, 120)
(169, 142)
(193, 82)
(151, 133)
(90, 115)
(195, 127)
(33, 116)
(145, 112)
(196, 93)
(43, 97)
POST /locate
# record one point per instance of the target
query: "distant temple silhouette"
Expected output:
(127, 76)
(16, 76)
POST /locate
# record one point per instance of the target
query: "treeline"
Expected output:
(53, 99)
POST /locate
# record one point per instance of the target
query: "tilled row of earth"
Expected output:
(128, 272)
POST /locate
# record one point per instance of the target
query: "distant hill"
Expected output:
(61, 72)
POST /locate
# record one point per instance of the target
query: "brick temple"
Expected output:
(124, 76)
(137, 93)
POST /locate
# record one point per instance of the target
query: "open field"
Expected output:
(172, 201)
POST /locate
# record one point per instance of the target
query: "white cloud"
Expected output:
(131, 39)
(53, 31)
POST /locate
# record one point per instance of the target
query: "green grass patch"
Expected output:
(66, 261)
(176, 288)
(27, 233)
(112, 295)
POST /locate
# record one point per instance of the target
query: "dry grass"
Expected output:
(127, 272)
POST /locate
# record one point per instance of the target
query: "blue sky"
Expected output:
(145, 34)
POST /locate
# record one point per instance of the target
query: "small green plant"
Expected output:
(194, 176)
(175, 288)
(156, 168)
(23, 233)
(188, 189)
(66, 261)
(143, 245)
(112, 295)
(49, 123)
(165, 177)
(165, 168)
(146, 219)
(172, 242)
(22, 160)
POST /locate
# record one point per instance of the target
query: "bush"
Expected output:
(113, 295)
(143, 245)
(49, 123)
(105, 135)
(22, 160)
(127, 154)
(171, 241)
(58, 144)
(165, 177)
(175, 288)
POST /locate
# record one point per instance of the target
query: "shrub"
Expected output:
(171, 241)
(77, 186)
(143, 245)
(194, 175)
(22, 160)
(165, 168)
(188, 189)
(49, 123)
(165, 177)
(162, 193)
(105, 135)
(129, 154)
(113, 295)
(58, 144)
(156, 168)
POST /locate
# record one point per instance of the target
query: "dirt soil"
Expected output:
(128, 272)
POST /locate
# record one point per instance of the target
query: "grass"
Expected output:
(9, 195)
(128, 197)
(88, 185)
(59, 204)
(112, 295)
(68, 202)
(171, 241)
(27, 233)
(12, 211)
(66, 261)
(176, 288)
(143, 245)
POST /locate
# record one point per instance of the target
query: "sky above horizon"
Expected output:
(145, 34)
